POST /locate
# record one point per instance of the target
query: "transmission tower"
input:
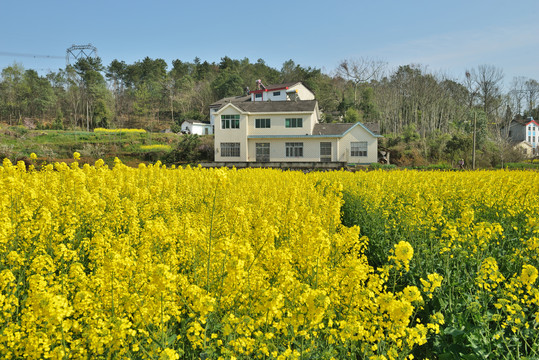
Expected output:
(80, 51)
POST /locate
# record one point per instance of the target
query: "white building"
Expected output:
(281, 124)
(525, 130)
(196, 127)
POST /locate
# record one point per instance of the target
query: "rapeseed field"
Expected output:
(168, 263)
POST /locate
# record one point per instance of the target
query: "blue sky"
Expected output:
(444, 36)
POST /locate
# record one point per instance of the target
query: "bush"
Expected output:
(175, 128)
(377, 166)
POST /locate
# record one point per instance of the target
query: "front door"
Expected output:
(325, 151)
(262, 152)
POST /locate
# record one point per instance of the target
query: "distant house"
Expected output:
(525, 148)
(281, 123)
(525, 130)
(196, 127)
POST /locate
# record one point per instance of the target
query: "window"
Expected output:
(230, 121)
(294, 149)
(325, 151)
(529, 139)
(262, 123)
(276, 93)
(263, 152)
(258, 96)
(358, 148)
(230, 149)
(294, 123)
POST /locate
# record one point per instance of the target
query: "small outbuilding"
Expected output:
(196, 127)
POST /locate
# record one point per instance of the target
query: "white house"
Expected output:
(525, 130)
(282, 125)
(196, 127)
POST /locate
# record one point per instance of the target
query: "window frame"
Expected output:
(230, 122)
(293, 123)
(359, 148)
(230, 149)
(263, 123)
(294, 149)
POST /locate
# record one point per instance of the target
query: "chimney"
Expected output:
(259, 85)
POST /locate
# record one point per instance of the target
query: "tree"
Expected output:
(532, 89)
(227, 83)
(488, 80)
(352, 116)
(12, 103)
(360, 70)
(116, 74)
(92, 83)
(39, 95)
(367, 105)
(518, 92)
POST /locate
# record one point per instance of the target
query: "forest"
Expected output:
(425, 117)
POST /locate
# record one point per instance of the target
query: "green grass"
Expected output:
(57, 145)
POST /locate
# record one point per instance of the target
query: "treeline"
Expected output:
(421, 114)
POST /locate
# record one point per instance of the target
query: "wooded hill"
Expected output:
(425, 117)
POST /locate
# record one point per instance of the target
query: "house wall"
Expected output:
(341, 147)
(278, 124)
(212, 115)
(532, 133)
(517, 132)
(358, 133)
(231, 135)
(187, 126)
(303, 92)
(311, 149)
(525, 148)
(198, 129)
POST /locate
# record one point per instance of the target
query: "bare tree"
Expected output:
(488, 80)
(518, 92)
(360, 70)
(532, 89)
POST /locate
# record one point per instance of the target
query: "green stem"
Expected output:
(210, 240)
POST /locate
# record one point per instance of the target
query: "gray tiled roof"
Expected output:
(373, 127)
(232, 99)
(331, 128)
(276, 106)
(341, 128)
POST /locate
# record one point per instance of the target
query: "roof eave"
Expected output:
(291, 136)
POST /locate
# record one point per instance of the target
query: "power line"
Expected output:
(5, 53)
